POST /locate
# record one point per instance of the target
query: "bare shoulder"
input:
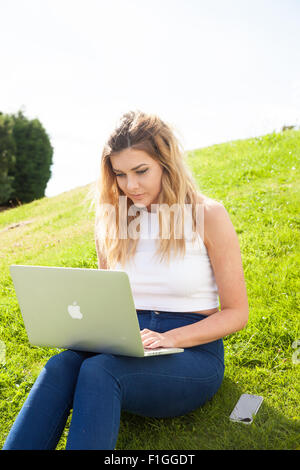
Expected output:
(214, 211)
(207, 202)
(215, 218)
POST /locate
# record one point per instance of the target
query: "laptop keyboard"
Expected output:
(156, 349)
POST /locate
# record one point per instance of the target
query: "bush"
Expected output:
(7, 157)
(25, 159)
(33, 159)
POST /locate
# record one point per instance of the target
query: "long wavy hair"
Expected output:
(147, 132)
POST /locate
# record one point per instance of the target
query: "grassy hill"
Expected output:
(257, 180)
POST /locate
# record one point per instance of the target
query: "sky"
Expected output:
(216, 70)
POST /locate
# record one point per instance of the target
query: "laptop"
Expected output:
(82, 309)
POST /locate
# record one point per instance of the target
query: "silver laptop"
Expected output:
(82, 309)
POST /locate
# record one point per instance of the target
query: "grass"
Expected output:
(257, 180)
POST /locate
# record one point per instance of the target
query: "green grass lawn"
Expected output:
(257, 180)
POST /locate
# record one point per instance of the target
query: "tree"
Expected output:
(7, 158)
(34, 153)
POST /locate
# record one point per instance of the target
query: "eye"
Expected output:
(140, 172)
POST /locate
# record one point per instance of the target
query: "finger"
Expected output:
(155, 344)
(149, 339)
(145, 337)
(145, 334)
(149, 342)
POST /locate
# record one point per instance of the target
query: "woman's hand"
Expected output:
(153, 339)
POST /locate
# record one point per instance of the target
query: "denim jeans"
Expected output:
(98, 386)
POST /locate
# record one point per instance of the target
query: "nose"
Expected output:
(132, 184)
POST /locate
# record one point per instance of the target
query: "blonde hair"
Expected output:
(147, 132)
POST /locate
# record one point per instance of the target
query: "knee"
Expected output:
(63, 365)
(97, 369)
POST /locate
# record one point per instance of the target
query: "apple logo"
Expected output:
(74, 311)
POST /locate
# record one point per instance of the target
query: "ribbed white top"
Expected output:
(184, 285)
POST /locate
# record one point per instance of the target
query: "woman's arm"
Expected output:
(223, 248)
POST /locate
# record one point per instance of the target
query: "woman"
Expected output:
(176, 281)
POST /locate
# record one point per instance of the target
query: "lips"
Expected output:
(136, 195)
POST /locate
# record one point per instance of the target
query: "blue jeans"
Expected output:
(98, 386)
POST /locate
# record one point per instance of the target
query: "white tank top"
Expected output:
(184, 285)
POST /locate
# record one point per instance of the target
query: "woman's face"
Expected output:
(138, 176)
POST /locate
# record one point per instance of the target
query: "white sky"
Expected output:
(217, 70)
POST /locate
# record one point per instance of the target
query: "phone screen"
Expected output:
(246, 407)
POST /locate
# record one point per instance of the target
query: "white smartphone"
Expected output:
(246, 407)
